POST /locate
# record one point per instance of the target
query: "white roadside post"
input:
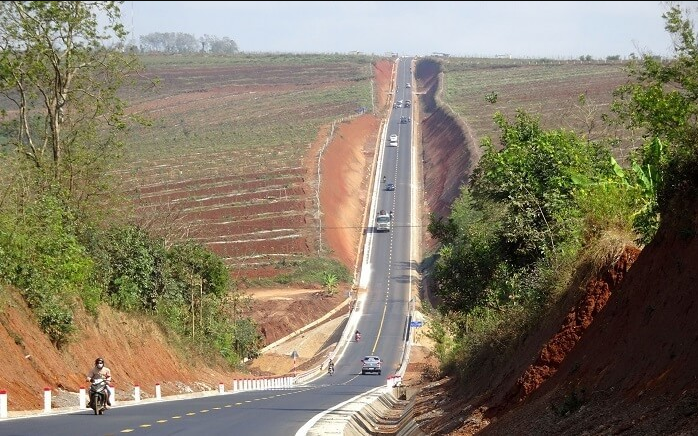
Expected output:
(47, 400)
(3, 403)
(81, 400)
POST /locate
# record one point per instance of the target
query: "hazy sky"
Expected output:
(522, 29)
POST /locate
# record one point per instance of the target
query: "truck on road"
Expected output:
(383, 221)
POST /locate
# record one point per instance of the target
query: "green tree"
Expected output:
(134, 266)
(532, 176)
(662, 100)
(202, 277)
(62, 81)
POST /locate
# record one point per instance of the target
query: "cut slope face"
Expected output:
(634, 368)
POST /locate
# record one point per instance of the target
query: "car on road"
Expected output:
(393, 137)
(405, 120)
(407, 85)
(390, 187)
(371, 364)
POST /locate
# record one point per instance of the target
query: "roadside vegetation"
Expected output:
(545, 201)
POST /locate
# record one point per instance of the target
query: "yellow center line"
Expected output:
(380, 327)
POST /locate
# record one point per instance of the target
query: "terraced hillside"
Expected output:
(231, 157)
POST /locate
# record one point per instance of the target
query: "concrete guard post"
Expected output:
(81, 398)
(3, 403)
(47, 400)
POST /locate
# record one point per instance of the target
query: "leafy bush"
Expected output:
(56, 320)
(42, 256)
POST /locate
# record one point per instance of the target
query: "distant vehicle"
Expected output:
(383, 221)
(393, 140)
(408, 103)
(371, 364)
(390, 187)
(405, 120)
(408, 85)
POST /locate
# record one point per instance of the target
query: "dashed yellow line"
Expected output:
(239, 403)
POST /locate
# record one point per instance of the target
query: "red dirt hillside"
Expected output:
(634, 368)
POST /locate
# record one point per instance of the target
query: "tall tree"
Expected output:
(58, 84)
(662, 99)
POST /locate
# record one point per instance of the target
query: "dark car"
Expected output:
(390, 187)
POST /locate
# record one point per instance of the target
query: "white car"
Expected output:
(393, 137)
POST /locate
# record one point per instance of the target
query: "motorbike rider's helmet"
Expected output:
(98, 361)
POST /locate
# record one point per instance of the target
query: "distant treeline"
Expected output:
(177, 42)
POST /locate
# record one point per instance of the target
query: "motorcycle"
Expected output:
(357, 337)
(99, 395)
(330, 369)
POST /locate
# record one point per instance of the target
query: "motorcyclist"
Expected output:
(103, 372)
(357, 335)
(383, 179)
(330, 367)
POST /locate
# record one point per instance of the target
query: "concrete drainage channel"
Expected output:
(375, 413)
